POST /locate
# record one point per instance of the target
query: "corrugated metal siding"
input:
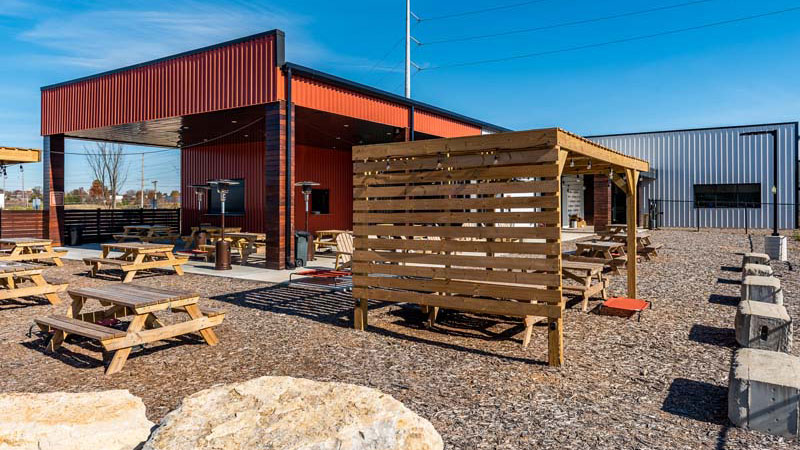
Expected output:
(231, 157)
(337, 100)
(333, 170)
(437, 125)
(715, 156)
(226, 77)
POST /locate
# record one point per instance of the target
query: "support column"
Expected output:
(53, 187)
(602, 202)
(275, 207)
(632, 181)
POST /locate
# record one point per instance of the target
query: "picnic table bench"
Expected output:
(137, 302)
(247, 243)
(30, 249)
(584, 273)
(14, 273)
(644, 244)
(610, 253)
(146, 233)
(136, 256)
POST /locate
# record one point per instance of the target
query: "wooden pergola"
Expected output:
(474, 223)
(16, 155)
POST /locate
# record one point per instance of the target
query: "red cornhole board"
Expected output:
(626, 306)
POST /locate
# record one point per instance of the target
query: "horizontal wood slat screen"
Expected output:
(470, 224)
(100, 224)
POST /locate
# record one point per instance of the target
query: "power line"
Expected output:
(478, 11)
(562, 24)
(615, 41)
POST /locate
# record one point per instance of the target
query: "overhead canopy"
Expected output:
(16, 155)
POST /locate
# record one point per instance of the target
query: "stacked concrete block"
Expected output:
(764, 326)
(775, 247)
(762, 289)
(759, 270)
(755, 258)
(764, 392)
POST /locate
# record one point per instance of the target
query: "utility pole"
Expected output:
(408, 48)
(141, 193)
(155, 193)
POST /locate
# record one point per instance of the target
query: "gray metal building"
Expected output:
(716, 177)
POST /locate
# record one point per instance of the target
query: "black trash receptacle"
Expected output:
(301, 239)
(75, 235)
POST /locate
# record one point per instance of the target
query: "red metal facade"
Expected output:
(232, 157)
(338, 100)
(438, 125)
(333, 170)
(224, 77)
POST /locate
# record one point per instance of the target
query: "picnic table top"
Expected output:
(133, 296)
(145, 227)
(579, 265)
(26, 240)
(331, 231)
(13, 266)
(137, 246)
(601, 244)
(639, 234)
(246, 235)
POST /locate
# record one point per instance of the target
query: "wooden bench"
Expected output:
(124, 237)
(207, 311)
(61, 326)
(651, 250)
(97, 262)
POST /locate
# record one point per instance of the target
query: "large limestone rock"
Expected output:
(109, 420)
(291, 414)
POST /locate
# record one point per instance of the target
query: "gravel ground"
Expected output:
(658, 383)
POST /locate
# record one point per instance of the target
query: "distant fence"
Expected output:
(717, 214)
(100, 224)
(22, 224)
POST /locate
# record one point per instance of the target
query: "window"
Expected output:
(234, 201)
(320, 201)
(727, 195)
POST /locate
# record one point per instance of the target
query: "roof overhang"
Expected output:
(16, 155)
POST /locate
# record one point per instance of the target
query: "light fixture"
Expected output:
(494, 161)
(234, 121)
(346, 125)
(589, 166)
(572, 163)
(246, 135)
(338, 138)
(439, 163)
(388, 133)
(388, 166)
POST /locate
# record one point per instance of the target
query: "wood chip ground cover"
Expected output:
(660, 383)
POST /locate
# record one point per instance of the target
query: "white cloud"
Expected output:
(129, 33)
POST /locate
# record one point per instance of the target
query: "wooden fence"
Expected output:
(441, 223)
(22, 224)
(100, 224)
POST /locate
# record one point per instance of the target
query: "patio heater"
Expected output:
(223, 247)
(301, 238)
(199, 191)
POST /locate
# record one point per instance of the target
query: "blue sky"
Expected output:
(744, 72)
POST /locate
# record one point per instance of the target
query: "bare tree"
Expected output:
(107, 163)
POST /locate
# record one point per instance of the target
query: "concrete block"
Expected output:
(755, 258)
(759, 270)
(765, 326)
(762, 289)
(775, 247)
(764, 392)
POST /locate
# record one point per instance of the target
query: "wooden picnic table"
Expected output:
(607, 252)
(30, 249)
(247, 243)
(137, 256)
(326, 238)
(584, 273)
(146, 233)
(644, 244)
(138, 302)
(12, 274)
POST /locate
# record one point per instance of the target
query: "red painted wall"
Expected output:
(243, 73)
(333, 169)
(234, 156)
(441, 126)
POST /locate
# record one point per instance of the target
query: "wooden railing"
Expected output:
(100, 224)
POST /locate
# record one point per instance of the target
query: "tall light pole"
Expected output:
(141, 193)
(155, 194)
(774, 134)
(408, 48)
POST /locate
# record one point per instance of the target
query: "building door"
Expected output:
(618, 205)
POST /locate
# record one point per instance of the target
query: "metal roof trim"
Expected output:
(275, 32)
(333, 79)
(683, 130)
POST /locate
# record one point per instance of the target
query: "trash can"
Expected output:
(75, 235)
(301, 239)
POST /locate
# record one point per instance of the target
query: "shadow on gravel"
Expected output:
(704, 334)
(726, 300)
(697, 400)
(727, 281)
(731, 269)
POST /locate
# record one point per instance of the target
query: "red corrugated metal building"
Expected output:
(238, 110)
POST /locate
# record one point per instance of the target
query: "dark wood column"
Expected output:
(275, 206)
(53, 187)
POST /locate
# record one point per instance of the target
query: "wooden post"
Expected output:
(632, 179)
(555, 332)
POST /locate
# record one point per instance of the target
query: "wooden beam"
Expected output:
(632, 177)
(588, 148)
(19, 155)
(622, 184)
